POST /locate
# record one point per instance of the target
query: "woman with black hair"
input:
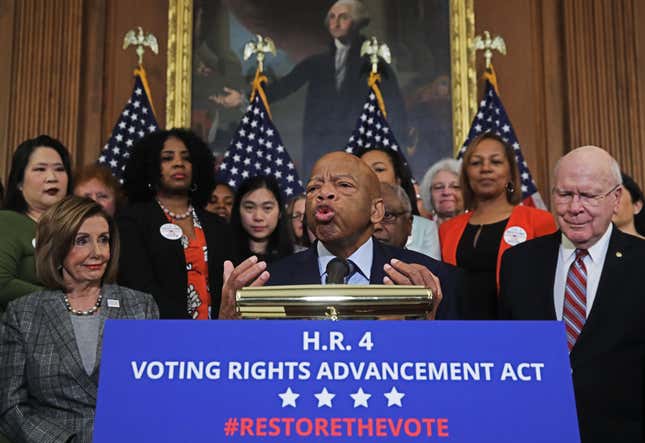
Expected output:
(39, 178)
(259, 222)
(389, 168)
(476, 240)
(173, 248)
(630, 207)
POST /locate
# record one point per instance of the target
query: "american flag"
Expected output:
(136, 120)
(491, 117)
(373, 131)
(256, 149)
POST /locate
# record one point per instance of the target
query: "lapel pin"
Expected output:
(113, 303)
(619, 254)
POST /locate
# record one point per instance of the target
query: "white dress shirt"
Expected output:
(340, 62)
(594, 262)
(362, 259)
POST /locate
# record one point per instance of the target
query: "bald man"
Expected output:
(396, 225)
(588, 275)
(343, 204)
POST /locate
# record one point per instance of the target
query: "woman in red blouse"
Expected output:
(172, 248)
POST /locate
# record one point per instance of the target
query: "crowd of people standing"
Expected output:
(173, 243)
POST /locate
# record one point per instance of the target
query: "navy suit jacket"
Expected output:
(607, 361)
(302, 269)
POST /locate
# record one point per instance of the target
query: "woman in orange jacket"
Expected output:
(476, 240)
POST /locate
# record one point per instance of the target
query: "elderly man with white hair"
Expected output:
(336, 86)
(588, 275)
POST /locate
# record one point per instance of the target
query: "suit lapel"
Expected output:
(545, 265)
(379, 258)
(611, 270)
(61, 325)
(115, 311)
(306, 271)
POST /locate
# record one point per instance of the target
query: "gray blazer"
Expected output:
(45, 393)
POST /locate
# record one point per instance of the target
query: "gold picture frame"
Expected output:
(463, 75)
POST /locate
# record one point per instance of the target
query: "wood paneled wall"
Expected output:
(574, 75)
(43, 82)
(604, 91)
(63, 71)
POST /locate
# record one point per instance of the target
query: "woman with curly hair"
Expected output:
(172, 248)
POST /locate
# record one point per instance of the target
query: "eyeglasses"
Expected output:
(588, 200)
(297, 216)
(391, 217)
(442, 187)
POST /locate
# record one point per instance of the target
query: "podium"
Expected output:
(329, 381)
(334, 302)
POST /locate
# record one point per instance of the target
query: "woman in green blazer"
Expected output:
(39, 178)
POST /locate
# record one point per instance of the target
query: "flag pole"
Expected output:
(488, 45)
(140, 40)
(372, 48)
(259, 47)
(141, 72)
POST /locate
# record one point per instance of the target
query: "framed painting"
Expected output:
(317, 79)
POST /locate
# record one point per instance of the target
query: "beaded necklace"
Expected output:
(174, 216)
(90, 311)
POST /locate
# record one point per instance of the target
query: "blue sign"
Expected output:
(345, 381)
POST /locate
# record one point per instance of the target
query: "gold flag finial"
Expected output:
(488, 45)
(259, 48)
(374, 50)
(140, 41)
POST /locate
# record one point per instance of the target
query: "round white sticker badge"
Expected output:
(33, 242)
(171, 231)
(515, 235)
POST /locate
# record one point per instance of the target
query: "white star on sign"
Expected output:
(324, 398)
(288, 398)
(394, 397)
(360, 398)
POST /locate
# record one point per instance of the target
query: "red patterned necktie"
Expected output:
(574, 313)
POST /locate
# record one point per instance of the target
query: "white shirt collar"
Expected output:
(362, 258)
(597, 251)
(340, 45)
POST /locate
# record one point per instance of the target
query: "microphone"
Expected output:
(337, 270)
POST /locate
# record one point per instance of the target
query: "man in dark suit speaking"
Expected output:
(589, 276)
(343, 204)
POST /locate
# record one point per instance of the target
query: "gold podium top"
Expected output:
(334, 302)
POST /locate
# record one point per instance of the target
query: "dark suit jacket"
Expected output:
(302, 269)
(607, 361)
(45, 393)
(330, 114)
(153, 264)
